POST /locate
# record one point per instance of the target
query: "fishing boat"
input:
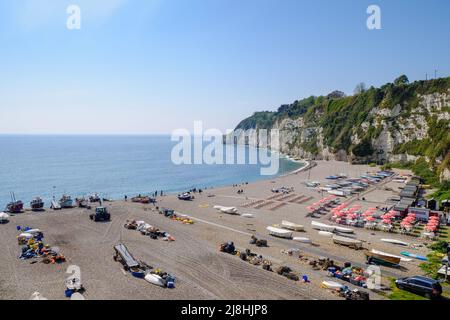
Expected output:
(322, 226)
(394, 241)
(15, 206)
(186, 197)
(291, 226)
(382, 258)
(349, 242)
(279, 233)
(81, 202)
(66, 201)
(37, 204)
(326, 234)
(94, 197)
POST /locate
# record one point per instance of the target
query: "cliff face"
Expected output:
(394, 123)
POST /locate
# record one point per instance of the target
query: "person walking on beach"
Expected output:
(126, 198)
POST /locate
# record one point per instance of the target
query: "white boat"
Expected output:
(154, 279)
(247, 215)
(280, 233)
(394, 241)
(326, 234)
(302, 239)
(344, 230)
(349, 242)
(322, 226)
(230, 210)
(390, 255)
(291, 226)
(332, 285)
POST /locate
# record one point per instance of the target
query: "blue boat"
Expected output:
(66, 201)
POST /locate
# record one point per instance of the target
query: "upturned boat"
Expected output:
(322, 226)
(280, 233)
(382, 258)
(291, 226)
(349, 242)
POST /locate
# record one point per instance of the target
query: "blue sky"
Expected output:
(152, 66)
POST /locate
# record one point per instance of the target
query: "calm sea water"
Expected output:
(110, 165)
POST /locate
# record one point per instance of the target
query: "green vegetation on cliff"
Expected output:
(353, 123)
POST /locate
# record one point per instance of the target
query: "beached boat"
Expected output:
(332, 285)
(403, 259)
(326, 234)
(292, 226)
(349, 242)
(66, 201)
(229, 210)
(302, 239)
(81, 202)
(94, 197)
(37, 204)
(344, 230)
(55, 205)
(15, 206)
(415, 256)
(247, 215)
(280, 233)
(155, 279)
(185, 197)
(322, 226)
(394, 241)
(382, 258)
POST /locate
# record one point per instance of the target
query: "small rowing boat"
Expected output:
(390, 255)
(247, 215)
(349, 242)
(382, 258)
(344, 230)
(326, 234)
(332, 285)
(291, 226)
(322, 226)
(302, 239)
(395, 241)
(155, 279)
(280, 233)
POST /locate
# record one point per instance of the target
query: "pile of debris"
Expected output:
(168, 213)
(148, 230)
(33, 246)
(259, 260)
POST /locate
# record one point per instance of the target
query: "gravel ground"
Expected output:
(202, 272)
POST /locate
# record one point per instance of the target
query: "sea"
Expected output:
(112, 166)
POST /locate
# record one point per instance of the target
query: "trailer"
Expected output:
(123, 256)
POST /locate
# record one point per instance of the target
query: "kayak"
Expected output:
(415, 256)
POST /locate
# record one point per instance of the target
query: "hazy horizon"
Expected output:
(148, 68)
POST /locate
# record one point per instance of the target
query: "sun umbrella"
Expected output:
(370, 219)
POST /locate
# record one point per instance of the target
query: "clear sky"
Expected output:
(151, 66)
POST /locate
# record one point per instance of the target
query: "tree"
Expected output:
(401, 80)
(336, 95)
(360, 88)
